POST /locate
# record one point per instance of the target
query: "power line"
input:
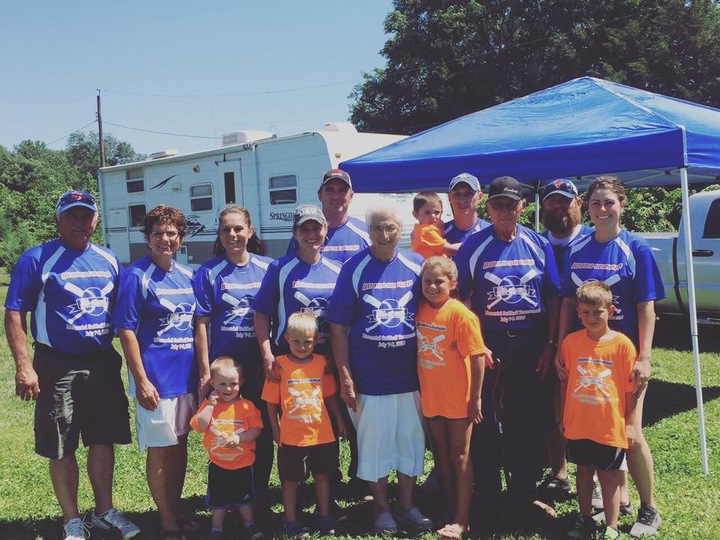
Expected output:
(162, 132)
(73, 131)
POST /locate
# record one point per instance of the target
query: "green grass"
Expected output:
(688, 500)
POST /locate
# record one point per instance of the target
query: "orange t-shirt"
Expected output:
(446, 337)
(598, 381)
(427, 240)
(229, 417)
(300, 394)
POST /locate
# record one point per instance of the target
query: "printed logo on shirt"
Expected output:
(617, 314)
(180, 317)
(240, 308)
(512, 289)
(315, 306)
(592, 385)
(429, 352)
(91, 301)
(389, 313)
(306, 401)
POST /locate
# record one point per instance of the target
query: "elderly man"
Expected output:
(346, 235)
(464, 194)
(372, 331)
(509, 275)
(69, 286)
(561, 208)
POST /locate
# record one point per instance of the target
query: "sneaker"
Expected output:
(253, 532)
(295, 529)
(76, 529)
(555, 483)
(112, 519)
(626, 509)
(384, 522)
(647, 522)
(412, 518)
(610, 534)
(584, 527)
(326, 525)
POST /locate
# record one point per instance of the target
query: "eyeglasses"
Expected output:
(157, 235)
(498, 206)
(389, 229)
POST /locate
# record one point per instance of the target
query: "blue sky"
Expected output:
(182, 67)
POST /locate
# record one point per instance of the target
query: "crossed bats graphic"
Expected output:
(235, 303)
(377, 304)
(172, 307)
(71, 287)
(432, 346)
(524, 279)
(302, 400)
(587, 379)
(610, 281)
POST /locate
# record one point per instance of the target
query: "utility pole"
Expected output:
(100, 133)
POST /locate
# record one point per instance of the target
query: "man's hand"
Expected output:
(640, 374)
(271, 368)
(347, 394)
(545, 361)
(147, 395)
(26, 384)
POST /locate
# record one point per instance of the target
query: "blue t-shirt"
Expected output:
(507, 281)
(158, 305)
(224, 292)
(378, 300)
(453, 234)
(69, 293)
(341, 242)
(626, 264)
(292, 285)
(560, 245)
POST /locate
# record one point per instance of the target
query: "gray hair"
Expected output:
(383, 211)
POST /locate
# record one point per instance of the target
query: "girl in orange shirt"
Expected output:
(450, 368)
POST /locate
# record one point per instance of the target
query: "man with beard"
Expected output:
(561, 214)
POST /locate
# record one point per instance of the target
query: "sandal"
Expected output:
(451, 532)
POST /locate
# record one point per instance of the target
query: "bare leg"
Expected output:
(640, 461)
(246, 513)
(289, 499)
(64, 475)
(379, 492)
(459, 432)
(100, 464)
(439, 437)
(406, 484)
(610, 485)
(218, 518)
(556, 451)
(584, 483)
(165, 470)
(322, 492)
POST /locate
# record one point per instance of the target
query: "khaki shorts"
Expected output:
(80, 395)
(169, 420)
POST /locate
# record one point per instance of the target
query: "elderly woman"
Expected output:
(373, 339)
(225, 286)
(154, 316)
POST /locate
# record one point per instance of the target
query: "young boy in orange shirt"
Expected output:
(599, 405)
(298, 408)
(451, 369)
(427, 237)
(229, 424)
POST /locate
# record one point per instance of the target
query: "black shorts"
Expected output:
(229, 487)
(601, 456)
(293, 461)
(80, 395)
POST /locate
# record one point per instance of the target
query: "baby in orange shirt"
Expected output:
(298, 406)
(427, 237)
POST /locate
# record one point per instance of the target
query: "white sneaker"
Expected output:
(112, 519)
(76, 529)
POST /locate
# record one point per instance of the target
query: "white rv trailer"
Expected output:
(268, 175)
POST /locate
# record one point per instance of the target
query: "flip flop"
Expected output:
(451, 532)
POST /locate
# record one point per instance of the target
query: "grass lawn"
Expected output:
(689, 502)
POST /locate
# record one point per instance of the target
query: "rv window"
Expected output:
(135, 179)
(137, 213)
(283, 189)
(201, 198)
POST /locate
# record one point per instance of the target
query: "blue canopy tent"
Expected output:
(577, 129)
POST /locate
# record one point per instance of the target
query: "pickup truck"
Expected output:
(669, 252)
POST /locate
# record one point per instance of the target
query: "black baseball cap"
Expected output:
(339, 174)
(505, 186)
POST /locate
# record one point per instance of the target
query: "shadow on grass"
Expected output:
(674, 333)
(665, 399)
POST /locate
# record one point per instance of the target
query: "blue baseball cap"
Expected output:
(71, 199)
(561, 186)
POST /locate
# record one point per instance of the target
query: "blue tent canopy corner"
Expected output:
(577, 129)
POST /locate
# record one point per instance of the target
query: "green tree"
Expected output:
(83, 151)
(449, 58)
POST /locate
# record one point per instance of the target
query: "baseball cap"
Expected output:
(561, 186)
(73, 198)
(307, 212)
(339, 174)
(468, 178)
(505, 186)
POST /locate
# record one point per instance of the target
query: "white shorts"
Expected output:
(390, 435)
(169, 420)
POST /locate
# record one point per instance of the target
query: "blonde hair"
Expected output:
(594, 293)
(223, 363)
(441, 263)
(302, 322)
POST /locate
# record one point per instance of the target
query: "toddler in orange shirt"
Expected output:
(298, 406)
(427, 237)
(451, 367)
(229, 424)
